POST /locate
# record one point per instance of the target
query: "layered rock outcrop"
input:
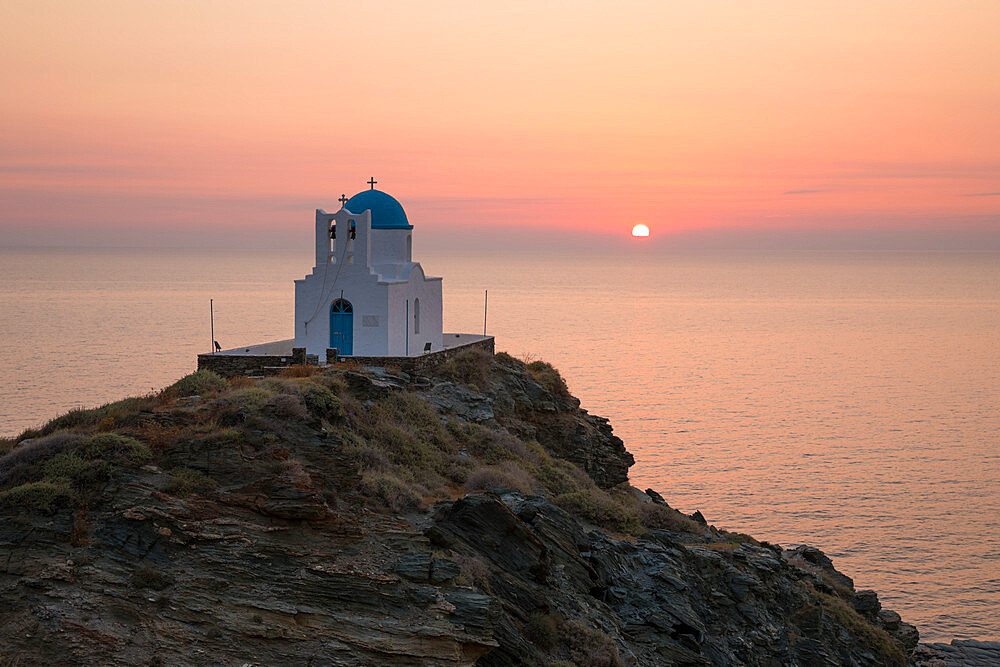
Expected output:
(280, 522)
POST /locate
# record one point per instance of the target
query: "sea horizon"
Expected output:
(815, 416)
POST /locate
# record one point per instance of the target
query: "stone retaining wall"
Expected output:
(411, 364)
(229, 365)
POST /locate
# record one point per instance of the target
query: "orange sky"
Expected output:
(179, 122)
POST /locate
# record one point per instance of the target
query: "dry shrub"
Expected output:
(599, 507)
(559, 476)
(110, 415)
(390, 490)
(588, 647)
(241, 382)
(78, 534)
(288, 406)
(300, 371)
(297, 473)
(507, 475)
(346, 366)
(542, 630)
(370, 458)
(185, 481)
(491, 446)
(473, 572)
(546, 375)
(662, 517)
(868, 635)
(504, 359)
(471, 367)
(250, 399)
(158, 436)
(459, 468)
(146, 576)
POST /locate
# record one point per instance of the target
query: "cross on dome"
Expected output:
(372, 182)
(343, 199)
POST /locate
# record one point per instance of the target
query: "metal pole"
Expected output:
(407, 323)
(211, 308)
(486, 301)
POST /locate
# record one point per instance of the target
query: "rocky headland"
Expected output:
(363, 516)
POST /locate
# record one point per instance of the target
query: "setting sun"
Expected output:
(640, 230)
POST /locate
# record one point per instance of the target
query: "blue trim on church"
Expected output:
(342, 327)
(387, 213)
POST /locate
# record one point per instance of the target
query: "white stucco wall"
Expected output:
(374, 273)
(390, 245)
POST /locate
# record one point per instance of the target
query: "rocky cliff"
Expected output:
(365, 517)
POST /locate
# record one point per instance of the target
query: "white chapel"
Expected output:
(366, 296)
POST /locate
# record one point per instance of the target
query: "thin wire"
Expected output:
(326, 272)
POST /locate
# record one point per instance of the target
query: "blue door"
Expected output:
(342, 327)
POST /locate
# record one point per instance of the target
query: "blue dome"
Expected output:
(387, 213)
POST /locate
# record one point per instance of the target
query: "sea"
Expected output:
(847, 401)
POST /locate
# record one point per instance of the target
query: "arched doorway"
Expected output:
(342, 327)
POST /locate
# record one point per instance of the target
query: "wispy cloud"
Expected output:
(800, 192)
(982, 194)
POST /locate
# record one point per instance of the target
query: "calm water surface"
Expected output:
(846, 401)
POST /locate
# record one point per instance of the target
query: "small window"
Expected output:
(416, 316)
(409, 247)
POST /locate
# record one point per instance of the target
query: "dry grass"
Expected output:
(546, 375)
(300, 371)
(185, 481)
(870, 636)
(471, 367)
(507, 475)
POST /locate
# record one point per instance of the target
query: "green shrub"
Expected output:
(20, 465)
(198, 383)
(600, 508)
(78, 472)
(333, 382)
(114, 447)
(185, 481)
(279, 385)
(320, 401)
(44, 496)
(249, 399)
(73, 419)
